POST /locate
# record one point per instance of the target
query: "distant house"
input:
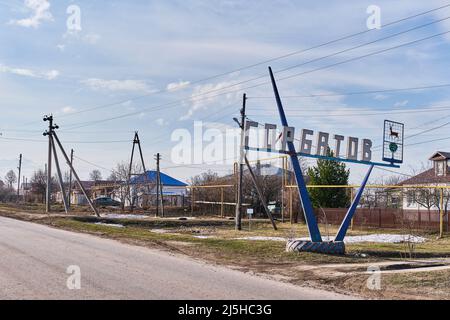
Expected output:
(94, 189)
(143, 189)
(25, 189)
(429, 198)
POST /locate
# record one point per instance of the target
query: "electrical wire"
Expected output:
(175, 103)
(263, 62)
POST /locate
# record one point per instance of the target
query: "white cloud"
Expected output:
(177, 85)
(204, 95)
(401, 103)
(161, 122)
(52, 74)
(68, 109)
(116, 85)
(380, 97)
(40, 12)
(49, 75)
(71, 36)
(91, 38)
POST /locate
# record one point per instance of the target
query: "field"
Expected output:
(408, 270)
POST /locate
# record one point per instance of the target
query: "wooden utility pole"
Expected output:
(159, 188)
(60, 179)
(77, 178)
(69, 196)
(18, 179)
(136, 141)
(260, 194)
(49, 133)
(241, 167)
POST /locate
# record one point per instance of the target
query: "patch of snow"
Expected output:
(124, 216)
(204, 237)
(159, 231)
(377, 238)
(262, 238)
(110, 225)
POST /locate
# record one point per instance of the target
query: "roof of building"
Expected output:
(440, 155)
(166, 180)
(86, 184)
(425, 177)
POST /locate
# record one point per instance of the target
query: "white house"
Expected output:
(143, 187)
(429, 198)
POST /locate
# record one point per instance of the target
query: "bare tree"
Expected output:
(121, 177)
(39, 184)
(10, 178)
(95, 175)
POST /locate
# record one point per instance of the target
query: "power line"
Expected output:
(263, 62)
(175, 103)
(392, 171)
(361, 113)
(68, 141)
(93, 164)
(357, 92)
(428, 130)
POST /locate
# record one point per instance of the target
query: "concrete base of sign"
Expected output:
(332, 247)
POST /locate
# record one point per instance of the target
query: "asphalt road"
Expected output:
(34, 261)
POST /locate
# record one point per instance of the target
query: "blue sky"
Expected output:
(129, 49)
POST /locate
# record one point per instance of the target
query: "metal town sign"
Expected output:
(308, 141)
(316, 146)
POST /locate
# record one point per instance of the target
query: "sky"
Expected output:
(158, 66)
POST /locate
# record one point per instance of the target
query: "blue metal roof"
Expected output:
(165, 179)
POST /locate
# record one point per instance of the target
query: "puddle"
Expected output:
(408, 266)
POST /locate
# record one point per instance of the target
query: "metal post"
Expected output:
(60, 180)
(75, 175)
(159, 189)
(241, 167)
(441, 225)
(69, 196)
(310, 217)
(192, 201)
(260, 194)
(221, 202)
(351, 211)
(351, 199)
(283, 183)
(291, 216)
(18, 179)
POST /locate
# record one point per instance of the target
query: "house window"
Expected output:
(440, 167)
(411, 197)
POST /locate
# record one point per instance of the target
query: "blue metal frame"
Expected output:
(310, 217)
(311, 221)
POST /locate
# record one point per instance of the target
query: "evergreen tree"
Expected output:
(328, 172)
